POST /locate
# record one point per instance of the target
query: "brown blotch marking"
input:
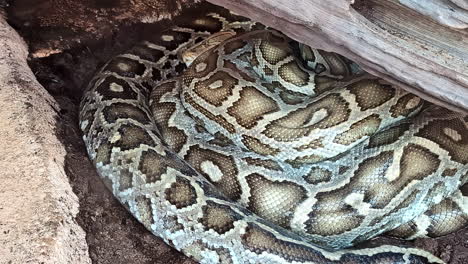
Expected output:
(464, 187)
(260, 241)
(231, 66)
(277, 86)
(221, 140)
(313, 144)
(147, 53)
(173, 136)
(217, 118)
(132, 136)
(288, 96)
(104, 89)
(380, 190)
(447, 217)
(338, 66)
(406, 105)
(291, 73)
(370, 93)
(267, 70)
(177, 38)
(251, 107)
(228, 185)
(268, 164)
(231, 46)
(161, 89)
(274, 201)
(200, 128)
(254, 60)
(181, 193)
(402, 230)
(299, 123)
(318, 175)
(416, 163)
(199, 123)
(273, 86)
(257, 146)
(224, 255)
(359, 130)
(125, 67)
(147, 86)
(207, 23)
(216, 89)
(103, 153)
(117, 111)
(388, 136)
(449, 172)
(274, 49)
(145, 211)
(247, 56)
(125, 179)
(332, 216)
(343, 169)
(299, 161)
(324, 83)
(219, 218)
(291, 98)
(156, 75)
(177, 226)
(332, 221)
(87, 116)
(153, 165)
(162, 112)
(456, 142)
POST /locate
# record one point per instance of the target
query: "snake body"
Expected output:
(266, 151)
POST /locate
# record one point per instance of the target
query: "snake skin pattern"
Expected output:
(263, 150)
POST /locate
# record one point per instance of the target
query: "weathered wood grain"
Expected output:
(386, 38)
(452, 13)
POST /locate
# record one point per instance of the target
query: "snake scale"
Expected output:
(264, 150)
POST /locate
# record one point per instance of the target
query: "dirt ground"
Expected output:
(63, 60)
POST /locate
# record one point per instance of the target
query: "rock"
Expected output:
(37, 204)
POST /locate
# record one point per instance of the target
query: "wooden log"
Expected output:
(452, 13)
(406, 47)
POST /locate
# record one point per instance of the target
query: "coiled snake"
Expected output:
(267, 151)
